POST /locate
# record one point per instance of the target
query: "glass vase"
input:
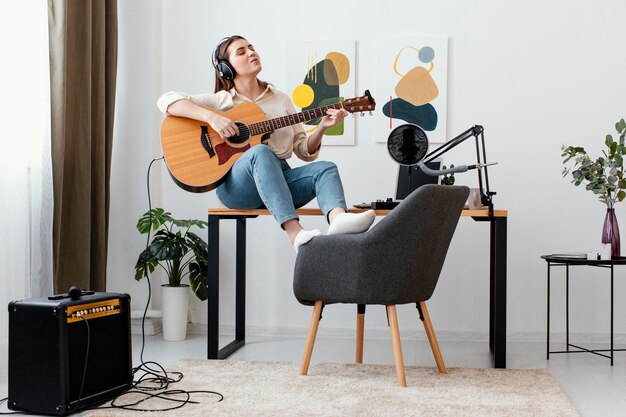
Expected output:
(610, 232)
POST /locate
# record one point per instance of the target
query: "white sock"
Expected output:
(352, 222)
(304, 236)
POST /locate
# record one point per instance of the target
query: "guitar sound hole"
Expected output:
(244, 134)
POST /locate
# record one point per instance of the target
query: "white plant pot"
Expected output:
(175, 301)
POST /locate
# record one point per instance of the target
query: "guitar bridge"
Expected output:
(206, 141)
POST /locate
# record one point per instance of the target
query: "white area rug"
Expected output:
(276, 389)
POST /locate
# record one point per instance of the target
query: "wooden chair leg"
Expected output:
(432, 339)
(397, 346)
(308, 349)
(360, 325)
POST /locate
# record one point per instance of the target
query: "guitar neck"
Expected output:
(270, 125)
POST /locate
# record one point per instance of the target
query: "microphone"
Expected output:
(455, 170)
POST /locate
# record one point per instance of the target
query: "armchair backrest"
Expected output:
(397, 261)
(409, 245)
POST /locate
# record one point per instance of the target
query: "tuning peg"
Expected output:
(371, 114)
(362, 114)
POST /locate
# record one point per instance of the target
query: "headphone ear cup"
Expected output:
(225, 70)
(74, 292)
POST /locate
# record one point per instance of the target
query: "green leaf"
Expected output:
(168, 246)
(183, 223)
(153, 219)
(145, 263)
(199, 223)
(198, 279)
(620, 195)
(198, 246)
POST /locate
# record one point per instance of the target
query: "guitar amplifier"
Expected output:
(58, 344)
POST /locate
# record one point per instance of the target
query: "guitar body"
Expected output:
(197, 157)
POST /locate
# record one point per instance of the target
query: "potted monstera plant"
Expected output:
(182, 254)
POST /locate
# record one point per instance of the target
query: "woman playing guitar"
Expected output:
(261, 176)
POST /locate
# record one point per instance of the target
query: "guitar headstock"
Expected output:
(360, 104)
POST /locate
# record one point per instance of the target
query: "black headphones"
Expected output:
(74, 292)
(222, 66)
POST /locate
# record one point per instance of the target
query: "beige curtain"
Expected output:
(83, 60)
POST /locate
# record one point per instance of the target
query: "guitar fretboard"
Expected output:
(291, 119)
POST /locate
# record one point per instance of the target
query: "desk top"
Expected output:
(224, 211)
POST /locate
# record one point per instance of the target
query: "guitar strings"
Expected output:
(245, 130)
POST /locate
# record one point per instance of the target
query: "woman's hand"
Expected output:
(225, 127)
(186, 108)
(333, 116)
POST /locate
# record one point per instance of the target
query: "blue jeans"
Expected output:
(259, 178)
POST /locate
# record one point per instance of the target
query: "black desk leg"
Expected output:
(497, 295)
(240, 288)
(611, 314)
(213, 286)
(213, 350)
(548, 318)
(567, 308)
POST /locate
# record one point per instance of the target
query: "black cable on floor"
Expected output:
(151, 379)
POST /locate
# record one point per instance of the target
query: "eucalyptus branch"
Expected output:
(603, 176)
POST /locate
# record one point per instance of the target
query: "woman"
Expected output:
(261, 176)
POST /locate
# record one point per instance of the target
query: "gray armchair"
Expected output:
(398, 261)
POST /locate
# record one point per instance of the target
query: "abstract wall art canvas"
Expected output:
(320, 73)
(411, 85)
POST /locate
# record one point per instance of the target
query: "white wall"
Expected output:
(535, 74)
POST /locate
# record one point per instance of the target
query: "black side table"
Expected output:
(555, 261)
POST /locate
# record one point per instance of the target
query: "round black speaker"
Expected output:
(407, 144)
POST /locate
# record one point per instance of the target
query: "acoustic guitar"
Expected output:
(198, 158)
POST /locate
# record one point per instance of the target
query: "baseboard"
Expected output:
(152, 326)
(383, 333)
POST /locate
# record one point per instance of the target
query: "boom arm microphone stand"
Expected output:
(477, 131)
(418, 144)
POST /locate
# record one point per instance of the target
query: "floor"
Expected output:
(595, 388)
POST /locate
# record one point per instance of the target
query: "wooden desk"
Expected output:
(497, 275)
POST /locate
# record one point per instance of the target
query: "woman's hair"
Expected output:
(222, 83)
